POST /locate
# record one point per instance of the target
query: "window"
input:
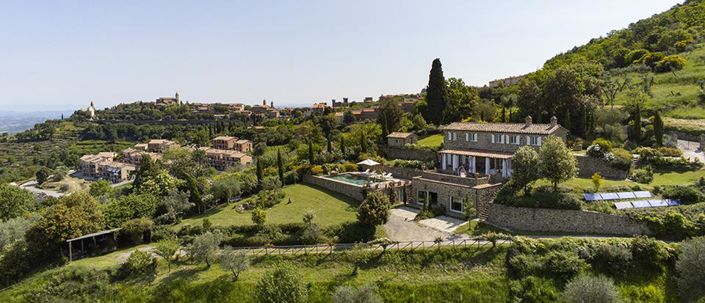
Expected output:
(514, 139)
(498, 138)
(455, 136)
(448, 134)
(471, 137)
(534, 140)
(456, 205)
(421, 199)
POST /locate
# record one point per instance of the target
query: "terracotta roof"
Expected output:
(242, 141)
(478, 153)
(224, 138)
(399, 135)
(519, 128)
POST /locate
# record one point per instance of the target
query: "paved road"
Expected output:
(31, 187)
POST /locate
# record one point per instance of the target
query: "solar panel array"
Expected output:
(646, 204)
(617, 196)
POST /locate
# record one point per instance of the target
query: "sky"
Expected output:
(59, 55)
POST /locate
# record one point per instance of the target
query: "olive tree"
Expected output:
(233, 261)
(590, 289)
(525, 165)
(556, 162)
(281, 285)
(166, 249)
(205, 247)
(349, 294)
(691, 269)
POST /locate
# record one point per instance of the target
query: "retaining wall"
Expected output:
(409, 154)
(587, 166)
(562, 221)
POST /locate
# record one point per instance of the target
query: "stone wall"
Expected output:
(587, 166)
(480, 195)
(563, 221)
(343, 188)
(409, 154)
(401, 172)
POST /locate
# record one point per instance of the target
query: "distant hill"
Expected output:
(14, 122)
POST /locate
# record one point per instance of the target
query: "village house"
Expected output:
(166, 101)
(222, 159)
(103, 166)
(399, 139)
(161, 145)
(232, 143)
(318, 108)
(134, 156)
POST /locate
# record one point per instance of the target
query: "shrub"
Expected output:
(648, 154)
(348, 294)
(604, 144)
(684, 194)
(563, 265)
(138, 264)
(612, 259)
(137, 230)
(316, 169)
(205, 247)
(670, 63)
(589, 289)
(648, 253)
(374, 210)
(642, 175)
(72, 285)
(259, 216)
(532, 289)
(282, 285)
(621, 159)
(691, 270)
(670, 151)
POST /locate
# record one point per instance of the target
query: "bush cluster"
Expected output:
(642, 175)
(676, 224)
(541, 197)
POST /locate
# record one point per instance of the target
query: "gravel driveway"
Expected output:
(691, 150)
(401, 227)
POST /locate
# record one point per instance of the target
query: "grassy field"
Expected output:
(445, 275)
(431, 141)
(660, 179)
(330, 209)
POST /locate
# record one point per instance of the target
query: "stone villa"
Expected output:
(487, 148)
(161, 145)
(475, 159)
(103, 166)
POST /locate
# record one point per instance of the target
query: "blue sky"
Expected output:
(58, 55)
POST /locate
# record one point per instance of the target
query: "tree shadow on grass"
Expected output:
(181, 287)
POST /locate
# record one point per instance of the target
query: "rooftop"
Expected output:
(399, 135)
(224, 138)
(519, 128)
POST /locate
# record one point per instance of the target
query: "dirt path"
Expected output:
(691, 150)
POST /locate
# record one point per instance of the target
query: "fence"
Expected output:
(340, 248)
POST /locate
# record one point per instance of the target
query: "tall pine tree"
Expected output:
(258, 172)
(342, 145)
(658, 129)
(435, 94)
(310, 151)
(363, 143)
(329, 144)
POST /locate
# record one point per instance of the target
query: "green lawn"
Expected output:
(330, 209)
(431, 141)
(660, 179)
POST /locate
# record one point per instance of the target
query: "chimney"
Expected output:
(528, 121)
(345, 100)
(554, 121)
(271, 104)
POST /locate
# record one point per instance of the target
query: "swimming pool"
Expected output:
(358, 180)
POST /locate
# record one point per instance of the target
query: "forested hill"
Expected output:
(670, 32)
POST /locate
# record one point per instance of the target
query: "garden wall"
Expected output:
(401, 172)
(562, 221)
(587, 166)
(343, 188)
(409, 154)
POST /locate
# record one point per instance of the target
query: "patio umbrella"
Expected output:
(368, 162)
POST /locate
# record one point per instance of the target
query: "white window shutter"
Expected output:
(528, 142)
(492, 138)
(467, 136)
(539, 141)
(506, 139)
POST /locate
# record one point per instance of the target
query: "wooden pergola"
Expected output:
(101, 235)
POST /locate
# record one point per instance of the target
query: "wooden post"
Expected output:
(70, 255)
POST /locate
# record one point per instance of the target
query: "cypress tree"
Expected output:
(435, 94)
(566, 120)
(363, 143)
(280, 166)
(637, 124)
(310, 151)
(342, 145)
(504, 114)
(330, 144)
(658, 129)
(258, 171)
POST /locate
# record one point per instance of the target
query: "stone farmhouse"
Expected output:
(487, 148)
(476, 158)
(399, 139)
